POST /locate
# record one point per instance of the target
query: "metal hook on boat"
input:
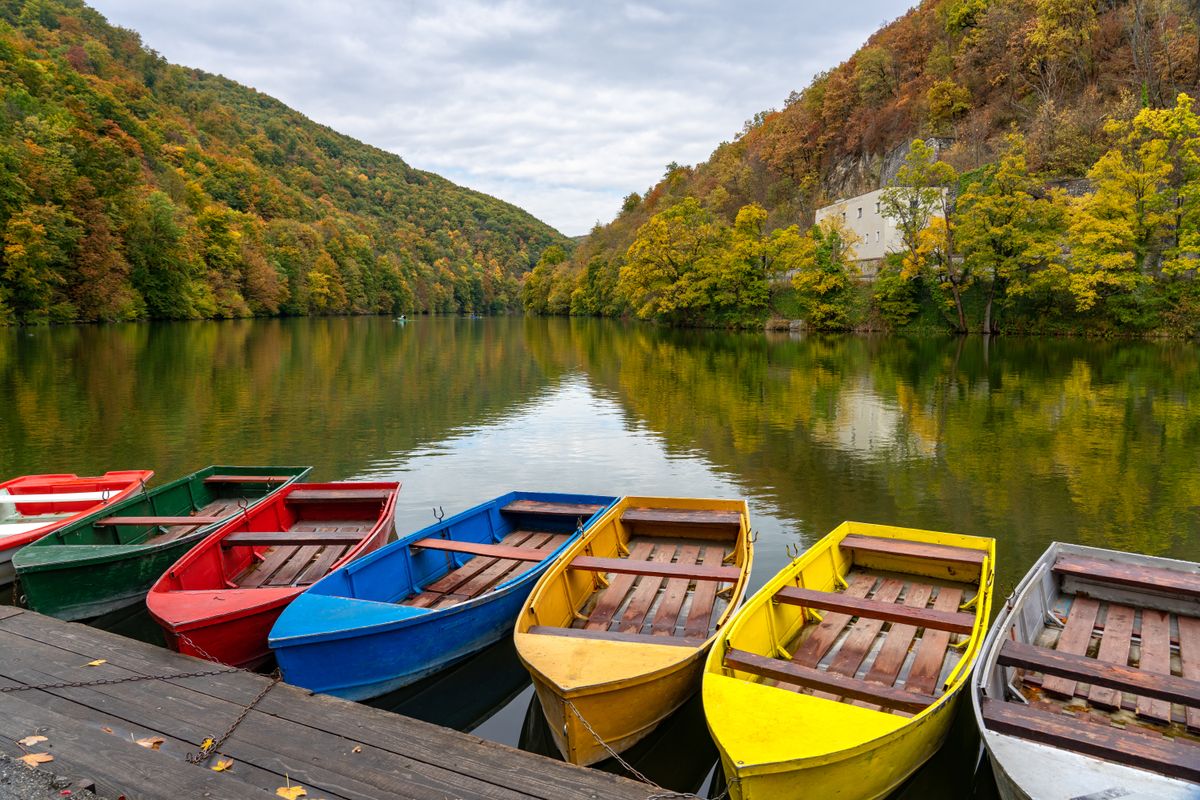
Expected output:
(753, 536)
(105, 494)
(793, 551)
(439, 514)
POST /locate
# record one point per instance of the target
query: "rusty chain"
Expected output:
(212, 745)
(107, 681)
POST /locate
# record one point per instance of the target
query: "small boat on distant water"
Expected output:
(1089, 682)
(428, 600)
(220, 600)
(904, 609)
(107, 561)
(614, 634)
(34, 505)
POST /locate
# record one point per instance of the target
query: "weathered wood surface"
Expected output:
(907, 549)
(1159, 754)
(584, 510)
(953, 621)
(273, 538)
(1074, 639)
(196, 520)
(333, 748)
(692, 518)
(1133, 576)
(827, 683)
(480, 549)
(657, 569)
(618, 636)
(248, 478)
(338, 496)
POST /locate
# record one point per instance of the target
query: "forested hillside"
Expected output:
(1068, 149)
(132, 188)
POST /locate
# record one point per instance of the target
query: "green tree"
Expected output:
(161, 267)
(38, 244)
(1009, 237)
(824, 271)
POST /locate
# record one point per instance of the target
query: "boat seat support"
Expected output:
(631, 566)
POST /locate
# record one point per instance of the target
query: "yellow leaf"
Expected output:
(33, 759)
(222, 764)
(151, 742)
(96, 663)
(357, 749)
(291, 792)
(30, 741)
(207, 743)
(106, 729)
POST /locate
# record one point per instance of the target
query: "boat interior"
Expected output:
(1103, 658)
(467, 569)
(657, 575)
(880, 623)
(171, 512)
(291, 542)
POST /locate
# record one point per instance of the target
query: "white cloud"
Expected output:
(561, 108)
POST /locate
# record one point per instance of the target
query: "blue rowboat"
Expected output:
(428, 599)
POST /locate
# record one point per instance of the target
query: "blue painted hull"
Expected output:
(348, 636)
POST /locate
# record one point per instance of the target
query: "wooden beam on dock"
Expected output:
(331, 747)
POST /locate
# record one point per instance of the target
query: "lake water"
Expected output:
(1026, 440)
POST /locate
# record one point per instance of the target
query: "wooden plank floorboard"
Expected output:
(400, 757)
(1074, 639)
(890, 658)
(704, 596)
(647, 589)
(666, 618)
(1156, 658)
(1189, 657)
(830, 628)
(931, 650)
(1114, 649)
(863, 633)
(612, 596)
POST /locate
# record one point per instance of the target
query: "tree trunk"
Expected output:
(958, 306)
(987, 309)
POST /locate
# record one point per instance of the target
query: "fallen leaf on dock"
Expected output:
(106, 729)
(97, 662)
(33, 759)
(207, 743)
(291, 792)
(30, 741)
(222, 764)
(357, 749)
(151, 742)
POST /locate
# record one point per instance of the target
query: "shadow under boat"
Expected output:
(678, 755)
(464, 695)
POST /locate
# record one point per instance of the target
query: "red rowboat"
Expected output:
(32, 506)
(220, 600)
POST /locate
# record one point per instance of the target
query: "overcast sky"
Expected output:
(562, 108)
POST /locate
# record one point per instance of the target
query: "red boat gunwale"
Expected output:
(224, 584)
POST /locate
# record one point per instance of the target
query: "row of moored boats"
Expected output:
(837, 679)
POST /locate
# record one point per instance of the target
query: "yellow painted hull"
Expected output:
(777, 744)
(622, 689)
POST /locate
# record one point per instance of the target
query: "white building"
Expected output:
(877, 234)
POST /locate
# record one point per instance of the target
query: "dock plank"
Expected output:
(1189, 657)
(411, 759)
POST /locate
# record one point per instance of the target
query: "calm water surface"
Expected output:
(1025, 440)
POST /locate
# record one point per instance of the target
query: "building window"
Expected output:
(877, 207)
(877, 236)
(843, 216)
(860, 212)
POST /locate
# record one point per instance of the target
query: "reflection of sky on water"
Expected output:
(568, 439)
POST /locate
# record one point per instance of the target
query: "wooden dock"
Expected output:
(330, 747)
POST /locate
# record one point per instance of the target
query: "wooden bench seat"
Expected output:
(1089, 670)
(248, 478)
(833, 683)
(338, 496)
(954, 622)
(688, 518)
(584, 510)
(196, 520)
(274, 538)
(1132, 576)
(658, 569)
(1172, 757)
(617, 636)
(480, 549)
(901, 547)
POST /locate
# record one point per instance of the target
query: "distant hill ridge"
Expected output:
(132, 188)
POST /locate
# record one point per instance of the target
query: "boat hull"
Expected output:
(587, 725)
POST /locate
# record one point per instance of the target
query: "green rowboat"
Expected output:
(109, 560)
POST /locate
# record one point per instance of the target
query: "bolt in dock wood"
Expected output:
(331, 747)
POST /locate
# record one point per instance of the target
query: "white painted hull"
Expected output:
(1027, 770)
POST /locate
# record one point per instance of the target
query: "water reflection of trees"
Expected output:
(1030, 440)
(334, 392)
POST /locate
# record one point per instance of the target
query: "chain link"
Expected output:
(632, 770)
(107, 681)
(207, 656)
(212, 745)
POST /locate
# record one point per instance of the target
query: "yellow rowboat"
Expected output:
(838, 679)
(615, 632)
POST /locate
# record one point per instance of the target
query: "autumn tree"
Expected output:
(1009, 233)
(161, 267)
(1058, 43)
